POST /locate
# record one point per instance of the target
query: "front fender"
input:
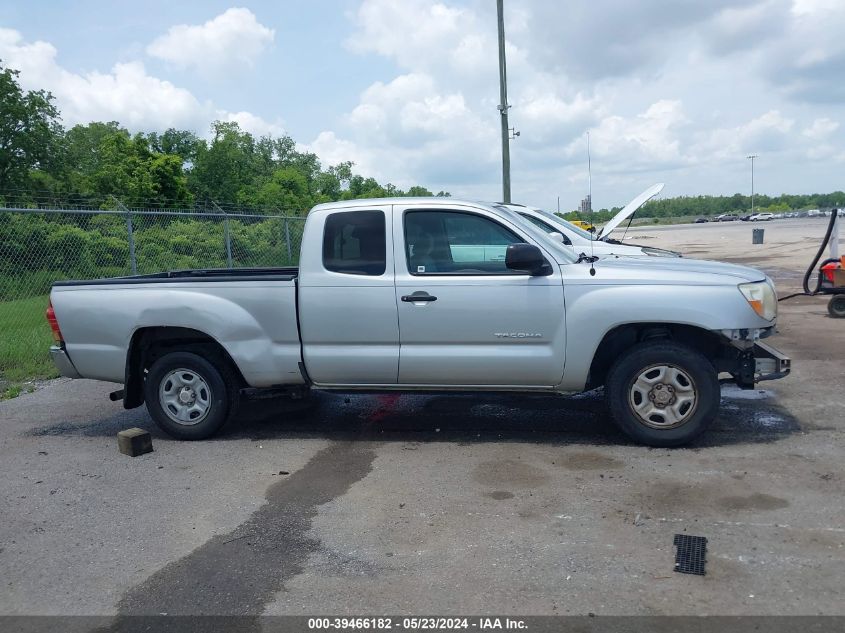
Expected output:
(594, 310)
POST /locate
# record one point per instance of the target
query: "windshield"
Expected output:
(549, 221)
(540, 233)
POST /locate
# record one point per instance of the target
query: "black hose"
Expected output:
(816, 259)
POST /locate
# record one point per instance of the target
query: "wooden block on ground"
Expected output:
(134, 442)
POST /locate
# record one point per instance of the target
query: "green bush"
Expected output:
(36, 250)
(70, 249)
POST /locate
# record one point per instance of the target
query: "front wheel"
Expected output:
(836, 307)
(663, 394)
(187, 396)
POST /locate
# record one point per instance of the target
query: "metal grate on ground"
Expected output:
(691, 556)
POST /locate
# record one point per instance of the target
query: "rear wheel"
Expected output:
(661, 393)
(188, 397)
(836, 307)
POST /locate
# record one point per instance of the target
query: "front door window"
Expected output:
(450, 242)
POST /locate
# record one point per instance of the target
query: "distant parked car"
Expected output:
(761, 217)
(727, 217)
(701, 220)
(746, 217)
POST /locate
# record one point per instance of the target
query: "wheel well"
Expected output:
(151, 343)
(623, 337)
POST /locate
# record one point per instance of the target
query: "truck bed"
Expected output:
(250, 312)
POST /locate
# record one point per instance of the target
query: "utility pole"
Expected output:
(589, 175)
(503, 107)
(752, 157)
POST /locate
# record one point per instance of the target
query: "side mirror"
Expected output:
(526, 257)
(557, 237)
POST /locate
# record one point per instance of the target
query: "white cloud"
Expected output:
(333, 150)
(417, 34)
(747, 26)
(821, 129)
(408, 127)
(607, 38)
(252, 123)
(227, 42)
(648, 140)
(679, 92)
(811, 7)
(819, 136)
(127, 93)
(546, 118)
(438, 122)
(769, 132)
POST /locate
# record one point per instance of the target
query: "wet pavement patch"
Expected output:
(588, 460)
(509, 472)
(745, 416)
(500, 495)
(756, 501)
(238, 573)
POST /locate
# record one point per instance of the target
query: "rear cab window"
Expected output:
(354, 243)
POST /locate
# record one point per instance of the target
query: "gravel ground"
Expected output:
(442, 504)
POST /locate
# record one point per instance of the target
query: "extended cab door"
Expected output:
(464, 318)
(347, 302)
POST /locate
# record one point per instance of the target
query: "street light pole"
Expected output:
(503, 107)
(752, 157)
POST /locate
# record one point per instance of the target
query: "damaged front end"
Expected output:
(748, 360)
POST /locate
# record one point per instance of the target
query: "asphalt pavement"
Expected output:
(409, 504)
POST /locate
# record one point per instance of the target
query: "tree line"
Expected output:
(709, 206)
(102, 166)
(95, 163)
(92, 164)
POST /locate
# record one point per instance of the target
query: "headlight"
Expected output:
(659, 252)
(761, 297)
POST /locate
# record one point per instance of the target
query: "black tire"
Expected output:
(836, 307)
(216, 391)
(696, 393)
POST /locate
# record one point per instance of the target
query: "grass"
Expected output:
(25, 341)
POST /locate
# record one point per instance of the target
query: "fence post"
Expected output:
(133, 264)
(287, 241)
(227, 235)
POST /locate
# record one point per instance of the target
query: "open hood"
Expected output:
(630, 208)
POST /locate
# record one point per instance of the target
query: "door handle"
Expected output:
(419, 295)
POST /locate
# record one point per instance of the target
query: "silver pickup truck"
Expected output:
(414, 294)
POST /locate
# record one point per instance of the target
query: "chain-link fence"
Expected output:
(40, 246)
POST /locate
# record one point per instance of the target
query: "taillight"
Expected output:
(54, 323)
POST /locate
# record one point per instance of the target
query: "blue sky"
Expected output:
(675, 92)
(294, 80)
